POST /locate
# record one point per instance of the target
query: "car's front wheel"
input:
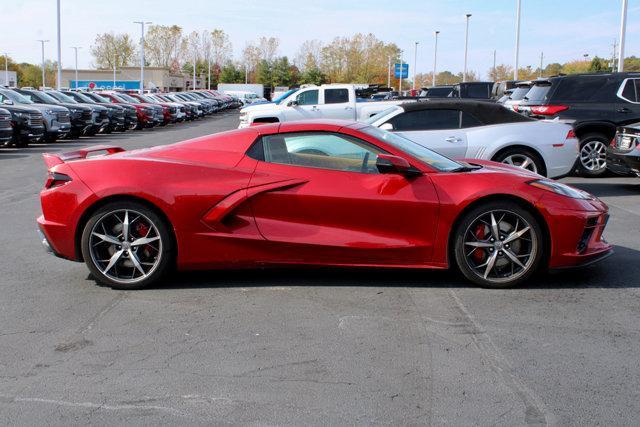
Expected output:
(126, 245)
(498, 244)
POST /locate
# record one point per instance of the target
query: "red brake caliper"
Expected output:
(479, 254)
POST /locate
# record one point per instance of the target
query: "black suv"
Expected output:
(598, 103)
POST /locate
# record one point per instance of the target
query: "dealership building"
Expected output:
(158, 78)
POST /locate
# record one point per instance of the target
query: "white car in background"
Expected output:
(245, 97)
(465, 129)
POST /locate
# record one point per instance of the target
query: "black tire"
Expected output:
(522, 153)
(22, 143)
(464, 259)
(584, 167)
(165, 253)
(50, 139)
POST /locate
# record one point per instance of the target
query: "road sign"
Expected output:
(405, 71)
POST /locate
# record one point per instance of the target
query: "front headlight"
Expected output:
(49, 112)
(560, 188)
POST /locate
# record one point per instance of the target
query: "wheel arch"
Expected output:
(605, 128)
(90, 210)
(521, 145)
(525, 204)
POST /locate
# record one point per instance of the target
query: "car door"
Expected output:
(437, 129)
(305, 106)
(337, 105)
(329, 203)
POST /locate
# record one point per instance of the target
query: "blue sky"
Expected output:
(562, 29)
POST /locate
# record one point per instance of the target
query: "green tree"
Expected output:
(598, 65)
(230, 73)
(313, 75)
(109, 49)
(281, 74)
(631, 63)
(552, 69)
(264, 73)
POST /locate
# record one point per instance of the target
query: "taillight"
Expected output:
(548, 110)
(570, 135)
(515, 108)
(612, 144)
(56, 179)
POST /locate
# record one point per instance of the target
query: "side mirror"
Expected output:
(386, 163)
(292, 103)
(7, 102)
(386, 126)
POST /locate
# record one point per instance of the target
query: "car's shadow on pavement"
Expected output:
(621, 270)
(609, 189)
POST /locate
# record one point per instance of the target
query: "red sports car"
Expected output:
(310, 193)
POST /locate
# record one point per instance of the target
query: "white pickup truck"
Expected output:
(332, 101)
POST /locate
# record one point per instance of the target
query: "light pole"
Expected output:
(435, 59)
(515, 69)
(246, 73)
(541, 61)
(208, 72)
(400, 79)
(115, 60)
(59, 79)
(142, 24)
(466, 45)
(76, 49)
(623, 26)
(195, 63)
(389, 72)
(6, 68)
(415, 61)
(42, 42)
(495, 74)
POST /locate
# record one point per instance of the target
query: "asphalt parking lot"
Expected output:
(311, 346)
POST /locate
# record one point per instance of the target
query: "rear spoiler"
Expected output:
(52, 160)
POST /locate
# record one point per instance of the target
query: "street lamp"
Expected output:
(515, 69)
(400, 79)
(466, 45)
(42, 42)
(435, 58)
(6, 68)
(142, 24)
(76, 49)
(623, 26)
(415, 61)
(59, 79)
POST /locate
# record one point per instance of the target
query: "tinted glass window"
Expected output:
(478, 91)
(629, 91)
(321, 150)
(519, 93)
(309, 97)
(537, 93)
(581, 89)
(439, 92)
(426, 120)
(468, 120)
(336, 96)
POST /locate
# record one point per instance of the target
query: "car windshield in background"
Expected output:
(46, 98)
(62, 97)
(382, 113)
(537, 93)
(427, 156)
(83, 98)
(282, 97)
(16, 97)
(519, 93)
(97, 97)
(128, 98)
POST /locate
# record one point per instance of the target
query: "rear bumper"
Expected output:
(616, 162)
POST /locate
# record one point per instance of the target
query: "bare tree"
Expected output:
(164, 46)
(268, 48)
(309, 55)
(221, 49)
(250, 57)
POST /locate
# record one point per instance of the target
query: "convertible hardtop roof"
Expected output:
(486, 111)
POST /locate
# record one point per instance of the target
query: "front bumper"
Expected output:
(616, 162)
(633, 161)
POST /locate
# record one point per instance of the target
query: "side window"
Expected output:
(581, 89)
(629, 91)
(309, 97)
(468, 120)
(426, 120)
(336, 96)
(320, 150)
(477, 91)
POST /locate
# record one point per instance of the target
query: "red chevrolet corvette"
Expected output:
(310, 193)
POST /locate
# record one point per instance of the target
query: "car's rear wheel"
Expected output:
(126, 245)
(593, 155)
(522, 158)
(498, 244)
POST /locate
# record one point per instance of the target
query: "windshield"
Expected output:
(381, 114)
(519, 93)
(282, 97)
(44, 97)
(537, 93)
(148, 99)
(427, 156)
(97, 97)
(16, 97)
(128, 98)
(82, 98)
(62, 97)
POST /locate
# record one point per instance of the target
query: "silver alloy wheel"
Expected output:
(522, 161)
(593, 156)
(500, 246)
(125, 246)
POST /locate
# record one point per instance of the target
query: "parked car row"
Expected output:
(29, 115)
(605, 110)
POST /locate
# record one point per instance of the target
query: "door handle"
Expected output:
(453, 139)
(624, 110)
(314, 108)
(348, 108)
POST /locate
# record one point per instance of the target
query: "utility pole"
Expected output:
(623, 26)
(541, 59)
(466, 45)
(208, 72)
(246, 74)
(400, 83)
(6, 68)
(613, 58)
(195, 64)
(115, 60)
(495, 73)
(59, 79)
(515, 68)
(142, 24)
(415, 61)
(42, 42)
(435, 58)
(76, 49)
(389, 73)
